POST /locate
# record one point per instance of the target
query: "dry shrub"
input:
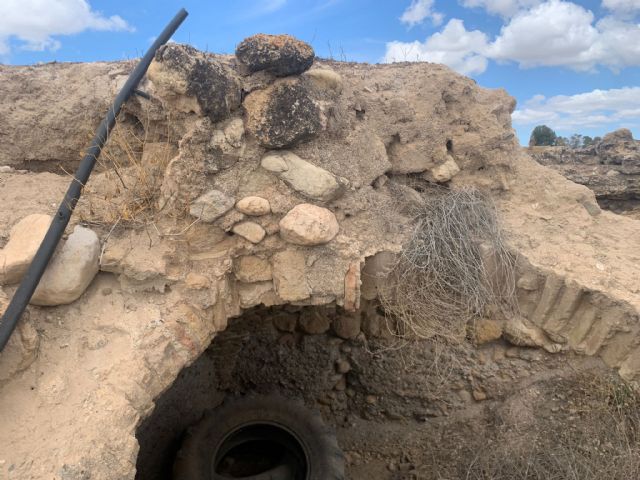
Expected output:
(595, 437)
(454, 266)
(126, 189)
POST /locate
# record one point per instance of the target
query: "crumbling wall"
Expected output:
(274, 187)
(608, 167)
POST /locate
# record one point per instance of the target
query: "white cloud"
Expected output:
(596, 109)
(622, 6)
(35, 22)
(454, 46)
(504, 8)
(418, 11)
(555, 33)
(551, 34)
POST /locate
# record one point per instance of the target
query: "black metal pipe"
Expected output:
(30, 281)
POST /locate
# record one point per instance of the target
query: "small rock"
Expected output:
(341, 384)
(347, 327)
(250, 269)
(229, 219)
(254, 206)
(211, 206)
(304, 177)
(197, 281)
(352, 287)
(250, 231)
(313, 321)
(252, 294)
(307, 224)
(445, 171)
(325, 79)
(24, 241)
(70, 271)
(522, 333)
(282, 114)
(371, 399)
(281, 55)
(530, 355)
(234, 132)
(343, 366)
(222, 151)
(478, 395)
(285, 322)
(486, 330)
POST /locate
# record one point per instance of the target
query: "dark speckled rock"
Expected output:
(281, 55)
(183, 70)
(282, 114)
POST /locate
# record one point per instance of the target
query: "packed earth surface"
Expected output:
(240, 235)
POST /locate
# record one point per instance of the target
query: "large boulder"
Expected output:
(190, 80)
(281, 55)
(282, 114)
(24, 240)
(71, 270)
(307, 225)
(304, 177)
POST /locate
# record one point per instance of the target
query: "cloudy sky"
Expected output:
(573, 65)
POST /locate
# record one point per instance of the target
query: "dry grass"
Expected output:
(595, 436)
(453, 268)
(125, 192)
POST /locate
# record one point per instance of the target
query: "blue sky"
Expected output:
(573, 65)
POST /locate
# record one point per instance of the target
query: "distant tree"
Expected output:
(575, 141)
(542, 136)
(597, 140)
(561, 142)
(587, 141)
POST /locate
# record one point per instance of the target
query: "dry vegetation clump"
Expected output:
(591, 433)
(455, 265)
(125, 189)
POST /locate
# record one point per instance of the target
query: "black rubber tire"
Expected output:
(324, 457)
